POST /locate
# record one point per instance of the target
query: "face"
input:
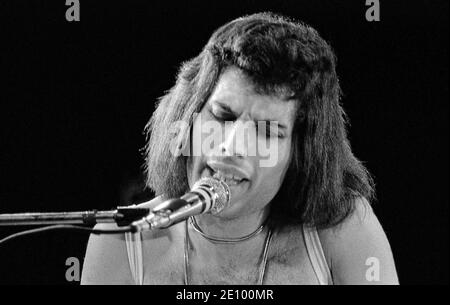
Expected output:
(235, 125)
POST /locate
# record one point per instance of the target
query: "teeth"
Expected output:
(229, 179)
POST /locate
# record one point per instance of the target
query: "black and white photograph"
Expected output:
(224, 145)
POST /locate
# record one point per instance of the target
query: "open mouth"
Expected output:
(230, 179)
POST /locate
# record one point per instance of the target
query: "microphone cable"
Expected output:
(126, 229)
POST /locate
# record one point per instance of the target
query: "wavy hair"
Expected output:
(283, 57)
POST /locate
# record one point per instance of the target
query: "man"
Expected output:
(298, 215)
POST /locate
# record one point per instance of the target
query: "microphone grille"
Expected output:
(220, 193)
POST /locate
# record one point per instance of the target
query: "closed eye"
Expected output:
(270, 131)
(222, 116)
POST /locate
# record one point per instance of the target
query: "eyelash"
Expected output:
(220, 118)
(231, 118)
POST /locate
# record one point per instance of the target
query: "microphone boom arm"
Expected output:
(123, 216)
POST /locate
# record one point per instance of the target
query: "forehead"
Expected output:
(235, 90)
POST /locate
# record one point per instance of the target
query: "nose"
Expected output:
(237, 140)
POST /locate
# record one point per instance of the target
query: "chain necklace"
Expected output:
(219, 240)
(262, 268)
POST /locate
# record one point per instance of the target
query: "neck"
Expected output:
(229, 228)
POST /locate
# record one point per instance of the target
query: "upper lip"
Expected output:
(228, 169)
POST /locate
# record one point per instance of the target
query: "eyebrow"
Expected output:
(227, 108)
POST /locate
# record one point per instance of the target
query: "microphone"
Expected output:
(208, 195)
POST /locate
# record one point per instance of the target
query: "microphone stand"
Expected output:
(123, 216)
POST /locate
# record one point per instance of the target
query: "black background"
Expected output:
(76, 96)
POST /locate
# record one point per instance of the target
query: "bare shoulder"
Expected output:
(105, 259)
(357, 250)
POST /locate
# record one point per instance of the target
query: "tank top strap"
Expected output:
(317, 256)
(134, 245)
(134, 251)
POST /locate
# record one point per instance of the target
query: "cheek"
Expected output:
(284, 153)
(275, 175)
(206, 135)
(270, 180)
(279, 152)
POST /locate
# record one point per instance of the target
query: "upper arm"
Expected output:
(106, 260)
(358, 250)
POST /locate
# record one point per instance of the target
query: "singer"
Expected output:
(302, 217)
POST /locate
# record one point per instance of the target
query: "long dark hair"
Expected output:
(281, 57)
